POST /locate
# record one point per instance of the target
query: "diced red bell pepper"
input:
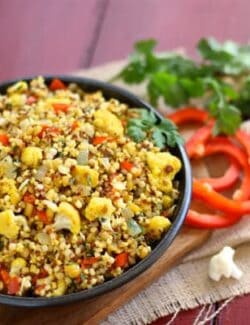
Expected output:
(59, 107)
(57, 84)
(99, 140)
(210, 221)
(43, 217)
(13, 285)
(121, 260)
(244, 139)
(42, 274)
(187, 115)
(48, 131)
(4, 276)
(4, 139)
(31, 100)
(88, 261)
(74, 125)
(29, 198)
(127, 165)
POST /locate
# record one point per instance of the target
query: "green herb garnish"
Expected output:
(177, 79)
(146, 125)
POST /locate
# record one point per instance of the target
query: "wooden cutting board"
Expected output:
(95, 310)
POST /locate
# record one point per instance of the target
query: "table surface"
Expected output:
(60, 36)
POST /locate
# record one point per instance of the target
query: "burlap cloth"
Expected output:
(187, 285)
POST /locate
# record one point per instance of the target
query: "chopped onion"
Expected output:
(134, 229)
(51, 205)
(105, 162)
(127, 213)
(24, 184)
(106, 225)
(83, 157)
(43, 238)
(120, 186)
(41, 172)
(7, 168)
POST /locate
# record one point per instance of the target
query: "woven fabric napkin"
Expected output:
(187, 285)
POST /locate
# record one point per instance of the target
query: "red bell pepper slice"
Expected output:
(57, 84)
(217, 201)
(224, 145)
(195, 145)
(244, 140)
(210, 221)
(226, 181)
(187, 115)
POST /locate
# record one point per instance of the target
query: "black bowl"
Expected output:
(185, 186)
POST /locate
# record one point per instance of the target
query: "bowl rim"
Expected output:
(160, 248)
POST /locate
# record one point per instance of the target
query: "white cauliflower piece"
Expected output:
(8, 225)
(67, 218)
(222, 264)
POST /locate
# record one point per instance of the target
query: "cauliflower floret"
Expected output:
(17, 265)
(19, 87)
(8, 225)
(108, 122)
(164, 184)
(72, 270)
(25, 284)
(86, 175)
(163, 163)
(7, 186)
(157, 225)
(31, 156)
(67, 217)
(22, 222)
(99, 207)
(164, 167)
(17, 100)
(61, 288)
(222, 264)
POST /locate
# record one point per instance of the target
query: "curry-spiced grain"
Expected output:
(80, 202)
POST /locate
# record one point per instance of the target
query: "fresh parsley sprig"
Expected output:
(163, 133)
(177, 79)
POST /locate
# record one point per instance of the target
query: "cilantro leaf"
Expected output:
(229, 58)
(166, 133)
(177, 79)
(136, 133)
(243, 99)
(146, 124)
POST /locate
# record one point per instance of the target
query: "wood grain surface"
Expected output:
(59, 36)
(92, 311)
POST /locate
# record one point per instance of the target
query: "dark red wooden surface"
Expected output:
(59, 36)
